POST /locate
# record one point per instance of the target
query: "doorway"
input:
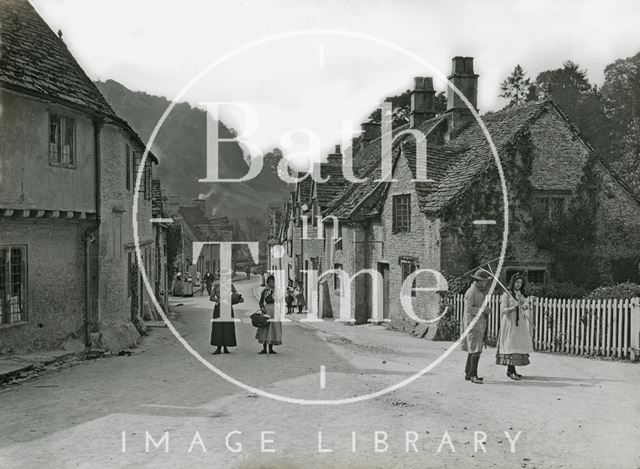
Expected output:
(383, 296)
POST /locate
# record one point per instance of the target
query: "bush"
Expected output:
(620, 291)
(448, 327)
(556, 290)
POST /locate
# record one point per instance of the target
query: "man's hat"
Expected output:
(481, 274)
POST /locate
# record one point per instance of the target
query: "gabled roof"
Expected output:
(369, 195)
(34, 60)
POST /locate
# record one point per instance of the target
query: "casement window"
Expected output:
(145, 182)
(534, 275)
(337, 243)
(337, 280)
(408, 267)
(402, 213)
(128, 166)
(13, 284)
(552, 206)
(62, 139)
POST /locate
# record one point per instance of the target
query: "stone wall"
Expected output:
(422, 243)
(55, 260)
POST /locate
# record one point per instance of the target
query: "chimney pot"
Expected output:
(463, 78)
(423, 103)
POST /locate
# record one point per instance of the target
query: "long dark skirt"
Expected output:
(223, 334)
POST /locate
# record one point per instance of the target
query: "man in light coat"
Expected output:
(474, 341)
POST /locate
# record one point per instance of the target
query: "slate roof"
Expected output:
(35, 60)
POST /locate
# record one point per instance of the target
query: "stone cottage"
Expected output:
(69, 168)
(455, 220)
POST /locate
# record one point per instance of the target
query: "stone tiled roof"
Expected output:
(304, 187)
(157, 199)
(199, 225)
(475, 155)
(34, 58)
(369, 195)
(334, 186)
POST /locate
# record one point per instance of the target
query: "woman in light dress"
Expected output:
(514, 342)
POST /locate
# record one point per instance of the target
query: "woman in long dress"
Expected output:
(272, 334)
(223, 333)
(514, 342)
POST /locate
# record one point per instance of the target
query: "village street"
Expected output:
(565, 409)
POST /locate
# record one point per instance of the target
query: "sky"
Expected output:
(317, 81)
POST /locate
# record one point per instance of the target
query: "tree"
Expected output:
(621, 102)
(517, 88)
(401, 108)
(570, 88)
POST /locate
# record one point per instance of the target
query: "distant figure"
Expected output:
(262, 280)
(298, 292)
(474, 341)
(514, 343)
(290, 298)
(271, 335)
(208, 281)
(248, 272)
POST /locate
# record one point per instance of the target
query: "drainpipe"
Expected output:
(367, 284)
(97, 130)
(88, 239)
(92, 235)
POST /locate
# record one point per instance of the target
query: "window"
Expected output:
(145, 181)
(61, 140)
(408, 267)
(127, 153)
(402, 213)
(338, 242)
(552, 206)
(337, 281)
(535, 275)
(13, 284)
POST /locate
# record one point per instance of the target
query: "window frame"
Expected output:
(6, 314)
(337, 280)
(413, 266)
(62, 127)
(405, 225)
(128, 166)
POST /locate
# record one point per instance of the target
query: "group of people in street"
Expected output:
(223, 334)
(516, 326)
(514, 341)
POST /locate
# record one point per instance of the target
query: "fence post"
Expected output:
(634, 316)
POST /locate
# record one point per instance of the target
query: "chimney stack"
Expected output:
(466, 81)
(423, 101)
(200, 205)
(335, 158)
(370, 131)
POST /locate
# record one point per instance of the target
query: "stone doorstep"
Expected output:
(17, 363)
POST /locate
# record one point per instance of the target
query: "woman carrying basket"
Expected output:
(271, 335)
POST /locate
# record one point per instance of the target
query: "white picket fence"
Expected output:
(608, 327)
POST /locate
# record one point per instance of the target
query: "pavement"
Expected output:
(161, 407)
(14, 366)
